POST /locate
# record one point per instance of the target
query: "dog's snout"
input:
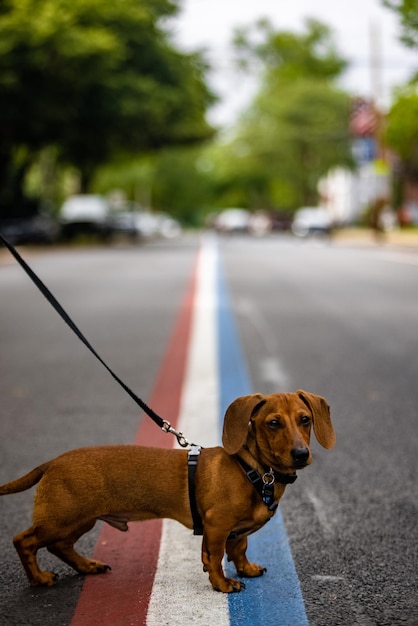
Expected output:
(300, 455)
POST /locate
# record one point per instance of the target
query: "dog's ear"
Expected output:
(323, 429)
(237, 419)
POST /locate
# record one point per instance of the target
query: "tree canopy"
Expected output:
(408, 13)
(286, 55)
(93, 78)
(402, 119)
(402, 131)
(296, 128)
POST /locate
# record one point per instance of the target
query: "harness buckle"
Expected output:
(253, 476)
(181, 439)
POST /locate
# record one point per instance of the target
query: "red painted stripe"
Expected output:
(121, 597)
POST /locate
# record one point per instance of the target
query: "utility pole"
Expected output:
(375, 52)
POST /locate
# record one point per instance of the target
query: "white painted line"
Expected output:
(182, 593)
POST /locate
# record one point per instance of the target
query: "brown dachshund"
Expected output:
(237, 487)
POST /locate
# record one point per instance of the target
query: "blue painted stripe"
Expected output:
(274, 599)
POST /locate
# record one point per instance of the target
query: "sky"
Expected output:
(209, 24)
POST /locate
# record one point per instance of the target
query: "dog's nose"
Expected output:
(300, 455)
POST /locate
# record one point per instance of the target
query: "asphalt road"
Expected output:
(335, 320)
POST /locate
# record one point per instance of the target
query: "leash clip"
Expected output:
(181, 439)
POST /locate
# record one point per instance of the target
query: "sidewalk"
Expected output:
(405, 239)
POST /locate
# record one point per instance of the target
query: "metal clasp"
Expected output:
(268, 477)
(181, 439)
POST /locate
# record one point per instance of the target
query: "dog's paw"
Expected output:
(229, 585)
(251, 570)
(44, 579)
(97, 567)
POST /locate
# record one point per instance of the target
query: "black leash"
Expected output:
(163, 424)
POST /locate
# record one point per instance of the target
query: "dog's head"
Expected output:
(276, 428)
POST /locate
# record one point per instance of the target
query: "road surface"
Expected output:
(332, 319)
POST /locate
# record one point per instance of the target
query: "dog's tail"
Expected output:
(25, 482)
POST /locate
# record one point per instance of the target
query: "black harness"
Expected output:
(264, 485)
(193, 457)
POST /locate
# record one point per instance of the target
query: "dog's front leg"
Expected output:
(236, 552)
(213, 550)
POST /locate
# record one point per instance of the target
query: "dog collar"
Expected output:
(265, 484)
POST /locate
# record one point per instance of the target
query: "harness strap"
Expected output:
(265, 485)
(192, 460)
(264, 488)
(283, 479)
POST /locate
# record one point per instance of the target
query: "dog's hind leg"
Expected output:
(27, 544)
(236, 552)
(65, 551)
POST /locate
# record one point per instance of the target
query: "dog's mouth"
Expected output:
(293, 466)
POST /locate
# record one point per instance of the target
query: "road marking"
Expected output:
(274, 599)
(182, 593)
(121, 597)
(157, 578)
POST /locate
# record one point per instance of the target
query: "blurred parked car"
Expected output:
(138, 223)
(232, 221)
(168, 227)
(85, 214)
(39, 228)
(93, 214)
(311, 221)
(125, 219)
(280, 221)
(260, 223)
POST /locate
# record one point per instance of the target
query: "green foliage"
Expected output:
(402, 130)
(297, 126)
(93, 78)
(285, 143)
(408, 13)
(181, 186)
(172, 181)
(288, 56)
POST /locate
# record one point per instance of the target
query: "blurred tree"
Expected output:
(296, 129)
(173, 180)
(286, 55)
(93, 78)
(182, 186)
(402, 119)
(402, 131)
(408, 13)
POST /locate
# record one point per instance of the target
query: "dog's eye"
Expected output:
(274, 424)
(305, 420)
